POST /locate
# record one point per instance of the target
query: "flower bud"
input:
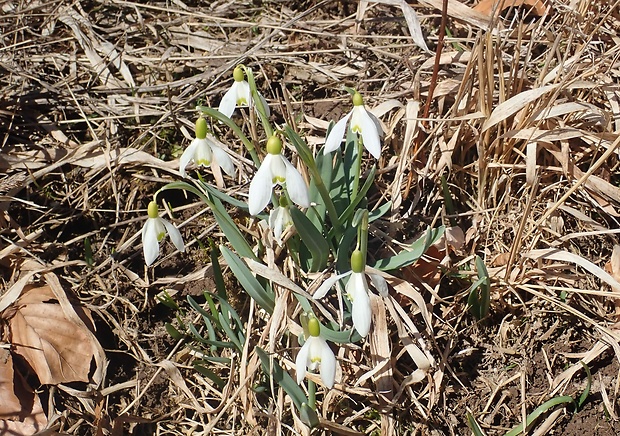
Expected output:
(238, 74)
(274, 145)
(357, 99)
(201, 128)
(153, 210)
(314, 328)
(357, 261)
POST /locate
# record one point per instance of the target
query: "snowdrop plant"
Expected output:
(332, 214)
(360, 121)
(239, 95)
(154, 230)
(314, 355)
(276, 170)
(204, 151)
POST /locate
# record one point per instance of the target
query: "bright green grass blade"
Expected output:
(539, 411)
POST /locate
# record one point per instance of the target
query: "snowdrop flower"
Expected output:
(239, 94)
(204, 151)
(356, 291)
(154, 231)
(362, 123)
(316, 354)
(280, 220)
(276, 170)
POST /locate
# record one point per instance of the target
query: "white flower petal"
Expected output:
(361, 311)
(379, 283)
(203, 155)
(175, 235)
(260, 187)
(296, 185)
(328, 364)
(150, 246)
(370, 134)
(357, 290)
(301, 362)
(328, 284)
(223, 160)
(242, 90)
(229, 101)
(187, 156)
(333, 140)
(276, 223)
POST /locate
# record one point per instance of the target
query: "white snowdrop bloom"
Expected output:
(280, 220)
(276, 170)
(204, 151)
(356, 291)
(239, 95)
(154, 230)
(361, 122)
(316, 354)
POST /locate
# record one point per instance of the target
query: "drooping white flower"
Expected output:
(276, 170)
(203, 151)
(316, 354)
(239, 95)
(363, 123)
(154, 231)
(280, 220)
(356, 291)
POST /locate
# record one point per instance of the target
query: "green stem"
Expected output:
(358, 166)
(306, 156)
(312, 394)
(258, 103)
(363, 235)
(235, 128)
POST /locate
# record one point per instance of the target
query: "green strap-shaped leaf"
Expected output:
(312, 238)
(539, 411)
(263, 298)
(281, 377)
(416, 250)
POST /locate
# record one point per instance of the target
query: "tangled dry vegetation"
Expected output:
(97, 103)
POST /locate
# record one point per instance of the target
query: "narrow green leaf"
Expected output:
(543, 408)
(230, 230)
(473, 425)
(379, 212)
(312, 238)
(416, 250)
(265, 299)
(282, 378)
(210, 375)
(308, 416)
(479, 295)
(173, 332)
(230, 333)
(584, 395)
(88, 252)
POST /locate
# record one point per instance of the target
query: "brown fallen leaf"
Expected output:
(58, 349)
(487, 7)
(20, 408)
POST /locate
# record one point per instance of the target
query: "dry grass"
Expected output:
(97, 104)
